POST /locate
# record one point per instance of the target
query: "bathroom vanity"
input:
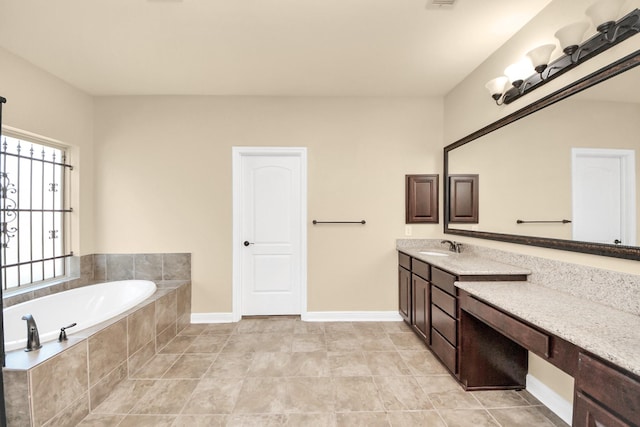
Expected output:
(481, 317)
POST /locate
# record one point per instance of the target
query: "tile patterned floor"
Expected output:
(282, 371)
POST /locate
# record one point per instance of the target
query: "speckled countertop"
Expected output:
(464, 263)
(609, 333)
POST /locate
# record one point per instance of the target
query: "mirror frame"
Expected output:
(605, 73)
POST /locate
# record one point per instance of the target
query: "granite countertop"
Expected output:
(612, 334)
(463, 263)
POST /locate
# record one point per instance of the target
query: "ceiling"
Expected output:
(260, 47)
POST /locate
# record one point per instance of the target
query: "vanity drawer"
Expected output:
(443, 280)
(445, 351)
(420, 268)
(404, 260)
(443, 300)
(520, 332)
(609, 386)
(443, 324)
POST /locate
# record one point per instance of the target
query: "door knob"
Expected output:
(617, 241)
(247, 243)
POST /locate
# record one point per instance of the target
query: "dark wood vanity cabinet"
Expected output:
(404, 286)
(432, 307)
(605, 395)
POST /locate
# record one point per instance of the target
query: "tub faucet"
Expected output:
(33, 338)
(453, 246)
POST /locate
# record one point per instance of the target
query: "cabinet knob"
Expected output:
(247, 243)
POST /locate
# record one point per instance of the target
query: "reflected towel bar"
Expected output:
(563, 221)
(363, 222)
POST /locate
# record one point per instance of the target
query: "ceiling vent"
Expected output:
(440, 4)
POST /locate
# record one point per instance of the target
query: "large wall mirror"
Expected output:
(561, 173)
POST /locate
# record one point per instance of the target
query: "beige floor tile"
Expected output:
(362, 419)
(200, 421)
(220, 329)
(396, 327)
(521, 417)
(468, 418)
(156, 367)
(386, 363)
(190, 366)
(332, 327)
(454, 399)
(147, 421)
(270, 365)
(241, 343)
(194, 329)
(500, 398)
(256, 420)
(311, 420)
(124, 397)
(301, 327)
(415, 419)
(310, 395)
(230, 365)
(308, 343)
(376, 343)
(343, 341)
(178, 345)
(207, 344)
(262, 396)
(214, 396)
(555, 419)
(402, 393)
(165, 397)
(348, 364)
(357, 394)
(438, 383)
(423, 363)
(308, 365)
(407, 341)
(101, 420)
(369, 329)
(274, 342)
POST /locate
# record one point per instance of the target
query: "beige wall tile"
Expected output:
(166, 311)
(72, 414)
(16, 395)
(99, 392)
(107, 350)
(141, 328)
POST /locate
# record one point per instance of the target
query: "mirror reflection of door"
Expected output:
(603, 196)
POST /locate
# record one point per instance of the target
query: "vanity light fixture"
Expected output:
(610, 32)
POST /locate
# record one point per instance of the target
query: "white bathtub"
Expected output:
(86, 306)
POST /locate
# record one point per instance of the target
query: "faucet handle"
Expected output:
(63, 332)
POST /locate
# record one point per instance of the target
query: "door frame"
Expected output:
(237, 153)
(628, 186)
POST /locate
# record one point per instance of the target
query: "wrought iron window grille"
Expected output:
(33, 212)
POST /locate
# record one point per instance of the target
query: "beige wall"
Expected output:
(39, 103)
(469, 107)
(163, 184)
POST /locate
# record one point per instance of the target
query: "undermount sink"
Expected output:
(433, 253)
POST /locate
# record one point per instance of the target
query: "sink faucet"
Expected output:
(453, 246)
(33, 338)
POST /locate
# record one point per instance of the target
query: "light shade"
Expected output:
(519, 71)
(496, 86)
(540, 56)
(603, 13)
(571, 36)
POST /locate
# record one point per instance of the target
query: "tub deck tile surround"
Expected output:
(69, 379)
(231, 384)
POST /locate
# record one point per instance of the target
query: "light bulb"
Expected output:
(496, 86)
(516, 73)
(604, 13)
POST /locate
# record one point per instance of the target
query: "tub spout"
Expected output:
(63, 332)
(33, 337)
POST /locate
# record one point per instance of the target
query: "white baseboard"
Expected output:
(552, 400)
(351, 316)
(211, 317)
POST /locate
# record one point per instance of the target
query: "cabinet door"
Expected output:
(588, 413)
(421, 306)
(404, 294)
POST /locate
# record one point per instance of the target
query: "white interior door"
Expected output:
(603, 187)
(271, 223)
